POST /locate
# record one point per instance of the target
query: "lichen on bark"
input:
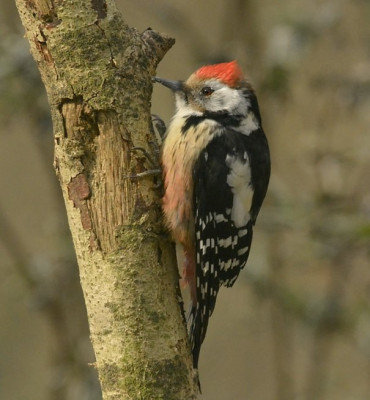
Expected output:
(97, 73)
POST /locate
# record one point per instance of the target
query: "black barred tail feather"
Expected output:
(195, 333)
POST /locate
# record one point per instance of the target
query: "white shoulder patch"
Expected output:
(248, 124)
(239, 180)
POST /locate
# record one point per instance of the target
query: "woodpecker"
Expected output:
(216, 169)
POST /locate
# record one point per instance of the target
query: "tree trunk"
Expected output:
(97, 73)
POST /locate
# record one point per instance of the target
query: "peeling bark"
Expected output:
(97, 73)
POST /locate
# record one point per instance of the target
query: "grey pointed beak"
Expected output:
(175, 86)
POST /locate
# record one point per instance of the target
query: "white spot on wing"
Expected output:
(225, 242)
(229, 241)
(206, 267)
(225, 265)
(236, 262)
(242, 232)
(242, 251)
(220, 218)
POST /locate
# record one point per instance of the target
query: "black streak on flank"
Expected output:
(100, 6)
(222, 118)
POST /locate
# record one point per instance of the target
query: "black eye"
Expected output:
(206, 91)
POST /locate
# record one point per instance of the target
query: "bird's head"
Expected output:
(218, 88)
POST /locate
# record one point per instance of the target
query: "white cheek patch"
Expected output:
(226, 98)
(239, 180)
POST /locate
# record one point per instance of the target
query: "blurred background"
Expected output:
(296, 325)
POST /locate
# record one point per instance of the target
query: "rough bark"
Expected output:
(97, 73)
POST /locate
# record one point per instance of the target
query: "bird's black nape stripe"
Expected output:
(221, 117)
(255, 108)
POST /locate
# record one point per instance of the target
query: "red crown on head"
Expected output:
(229, 73)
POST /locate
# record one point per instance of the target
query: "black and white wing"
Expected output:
(227, 198)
